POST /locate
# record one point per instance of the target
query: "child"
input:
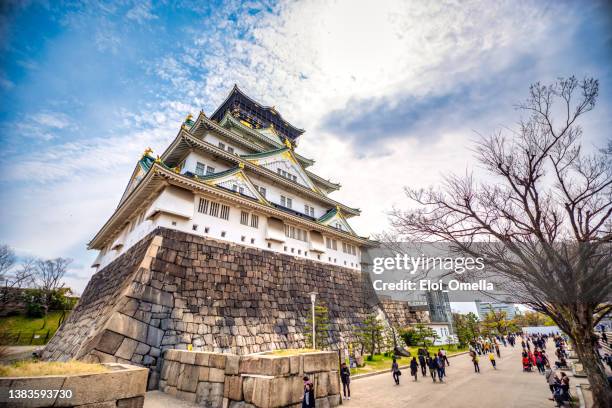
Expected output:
(492, 358)
(308, 400)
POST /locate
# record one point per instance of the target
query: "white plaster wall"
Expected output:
(176, 199)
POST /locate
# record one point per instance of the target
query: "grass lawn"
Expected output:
(29, 328)
(42, 368)
(381, 362)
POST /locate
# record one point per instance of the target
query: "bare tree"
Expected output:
(541, 217)
(49, 274)
(7, 260)
(11, 278)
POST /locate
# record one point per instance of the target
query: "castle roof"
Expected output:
(256, 114)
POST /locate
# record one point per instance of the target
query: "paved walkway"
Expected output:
(508, 386)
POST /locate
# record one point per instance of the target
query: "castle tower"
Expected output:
(215, 246)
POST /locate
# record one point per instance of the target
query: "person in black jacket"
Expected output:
(345, 376)
(414, 368)
(395, 371)
(432, 363)
(423, 364)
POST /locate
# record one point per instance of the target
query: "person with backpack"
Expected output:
(395, 371)
(492, 359)
(441, 368)
(414, 367)
(345, 377)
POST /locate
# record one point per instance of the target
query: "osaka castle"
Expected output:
(234, 176)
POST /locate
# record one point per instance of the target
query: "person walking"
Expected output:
(433, 367)
(497, 350)
(492, 359)
(475, 361)
(441, 368)
(345, 377)
(414, 367)
(551, 379)
(423, 364)
(395, 371)
(443, 353)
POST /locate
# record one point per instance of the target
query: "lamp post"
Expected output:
(313, 299)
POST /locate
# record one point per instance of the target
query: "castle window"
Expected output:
(252, 240)
(242, 238)
(254, 221)
(269, 245)
(230, 149)
(244, 218)
(132, 225)
(299, 252)
(200, 169)
(289, 202)
(222, 234)
(262, 191)
(194, 227)
(174, 223)
(224, 212)
(334, 245)
(141, 217)
(234, 187)
(206, 229)
(221, 145)
(214, 209)
(203, 206)
(308, 210)
(241, 190)
(210, 170)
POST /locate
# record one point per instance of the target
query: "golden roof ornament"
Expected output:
(147, 151)
(241, 165)
(158, 159)
(288, 144)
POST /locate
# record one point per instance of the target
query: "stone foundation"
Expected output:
(173, 290)
(216, 380)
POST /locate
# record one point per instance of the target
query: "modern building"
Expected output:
(486, 307)
(234, 176)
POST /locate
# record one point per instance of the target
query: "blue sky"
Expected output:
(394, 91)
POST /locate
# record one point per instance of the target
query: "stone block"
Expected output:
(186, 396)
(95, 388)
(322, 403)
(204, 373)
(142, 349)
(334, 382)
(202, 359)
(334, 400)
(296, 365)
(188, 378)
(127, 348)
(172, 355)
(154, 336)
(321, 381)
(172, 372)
(233, 387)
(39, 383)
(216, 375)
(217, 360)
(264, 365)
(320, 361)
(109, 342)
(187, 357)
(128, 326)
(134, 402)
(210, 395)
(232, 364)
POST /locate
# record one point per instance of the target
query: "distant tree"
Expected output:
(532, 318)
(370, 335)
(420, 335)
(496, 322)
(12, 277)
(321, 328)
(48, 275)
(467, 327)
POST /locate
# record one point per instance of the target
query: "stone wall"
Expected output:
(216, 380)
(173, 290)
(400, 314)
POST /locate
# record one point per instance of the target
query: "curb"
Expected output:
(580, 396)
(365, 375)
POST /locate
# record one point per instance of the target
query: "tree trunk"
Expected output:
(584, 343)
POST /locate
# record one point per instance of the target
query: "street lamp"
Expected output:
(313, 299)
